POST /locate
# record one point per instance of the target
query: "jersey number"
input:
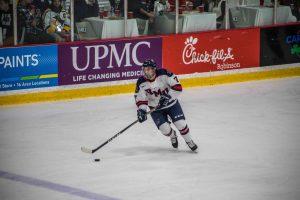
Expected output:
(176, 79)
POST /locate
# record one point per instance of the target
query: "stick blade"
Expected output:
(86, 150)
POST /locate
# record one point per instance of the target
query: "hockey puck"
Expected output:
(97, 159)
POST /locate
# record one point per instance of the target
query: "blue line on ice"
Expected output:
(53, 186)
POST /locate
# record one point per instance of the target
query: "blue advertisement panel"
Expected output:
(28, 67)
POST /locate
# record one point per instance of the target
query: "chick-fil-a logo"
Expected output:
(191, 56)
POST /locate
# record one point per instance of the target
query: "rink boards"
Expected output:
(107, 67)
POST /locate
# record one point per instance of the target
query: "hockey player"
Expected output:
(158, 89)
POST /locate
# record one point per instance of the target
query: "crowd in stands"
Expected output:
(39, 20)
(43, 21)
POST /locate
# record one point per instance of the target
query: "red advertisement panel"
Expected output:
(211, 51)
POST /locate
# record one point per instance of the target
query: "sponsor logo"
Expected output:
(30, 60)
(191, 56)
(28, 67)
(294, 41)
(295, 50)
(225, 66)
(94, 54)
(291, 39)
(106, 61)
(103, 76)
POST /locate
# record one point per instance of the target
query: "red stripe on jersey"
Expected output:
(177, 87)
(141, 103)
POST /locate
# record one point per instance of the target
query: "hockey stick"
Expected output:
(91, 151)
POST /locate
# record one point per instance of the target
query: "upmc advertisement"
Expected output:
(99, 61)
(28, 67)
(211, 51)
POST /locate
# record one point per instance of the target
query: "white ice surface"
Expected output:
(248, 136)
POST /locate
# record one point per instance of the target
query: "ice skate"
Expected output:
(192, 145)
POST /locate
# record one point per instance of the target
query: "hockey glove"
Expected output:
(163, 101)
(141, 115)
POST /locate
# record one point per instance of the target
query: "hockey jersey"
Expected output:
(148, 92)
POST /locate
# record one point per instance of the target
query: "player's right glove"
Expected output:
(141, 115)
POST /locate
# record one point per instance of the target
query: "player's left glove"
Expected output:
(163, 101)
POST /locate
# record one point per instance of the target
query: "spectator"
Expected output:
(29, 30)
(113, 4)
(295, 7)
(85, 8)
(150, 5)
(207, 4)
(104, 4)
(197, 3)
(6, 22)
(143, 11)
(41, 5)
(117, 5)
(140, 10)
(220, 19)
(161, 6)
(57, 22)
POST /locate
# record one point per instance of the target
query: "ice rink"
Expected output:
(248, 136)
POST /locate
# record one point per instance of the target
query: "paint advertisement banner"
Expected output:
(211, 51)
(280, 45)
(102, 61)
(28, 67)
